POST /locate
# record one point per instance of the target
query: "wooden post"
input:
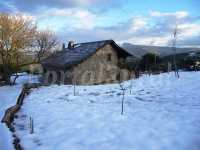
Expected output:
(122, 111)
(74, 88)
(31, 125)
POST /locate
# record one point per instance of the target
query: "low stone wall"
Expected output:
(9, 116)
(11, 112)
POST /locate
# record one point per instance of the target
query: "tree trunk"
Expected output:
(14, 81)
(7, 79)
(6, 76)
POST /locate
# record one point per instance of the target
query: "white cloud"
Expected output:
(153, 29)
(76, 18)
(178, 14)
(189, 29)
(87, 2)
(35, 5)
(72, 21)
(160, 34)
(138, 23)
(153, 41)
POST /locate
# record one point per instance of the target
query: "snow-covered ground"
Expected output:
(161, 113)
(8, 97)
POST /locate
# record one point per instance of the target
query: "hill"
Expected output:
(140, 50)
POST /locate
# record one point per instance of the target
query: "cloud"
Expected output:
(189, 29)
(7, 7)
(177, 15)
(137, 23)
(153, 29)
(37, 5)
(163, 26)
(73, 20)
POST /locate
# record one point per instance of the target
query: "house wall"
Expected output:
(33, 68)
(101, 67)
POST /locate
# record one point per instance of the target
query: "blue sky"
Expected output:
(147, 22)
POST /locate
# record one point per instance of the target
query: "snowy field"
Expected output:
(161, 113)
(8, 97)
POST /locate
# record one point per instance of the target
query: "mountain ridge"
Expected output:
(140, 50)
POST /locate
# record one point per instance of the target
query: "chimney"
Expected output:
(71, 45)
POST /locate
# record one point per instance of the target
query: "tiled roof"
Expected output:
(69, 57)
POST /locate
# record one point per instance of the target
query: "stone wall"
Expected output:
(102, 67)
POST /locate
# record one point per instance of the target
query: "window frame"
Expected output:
(109, 57)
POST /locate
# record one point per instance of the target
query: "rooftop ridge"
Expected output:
(109, 40)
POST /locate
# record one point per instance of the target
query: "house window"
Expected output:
(118, 77)
(89, 76)
(109, 57)
(45, 70)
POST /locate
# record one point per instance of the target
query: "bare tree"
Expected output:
(44, 43)
(175, 35)
(16, 34)
(133, 66)
(123, 88)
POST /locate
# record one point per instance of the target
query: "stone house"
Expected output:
(87, 63)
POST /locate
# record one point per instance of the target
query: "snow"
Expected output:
(161, 113)
(8, 97)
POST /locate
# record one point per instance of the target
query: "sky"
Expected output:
(143, 22)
